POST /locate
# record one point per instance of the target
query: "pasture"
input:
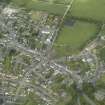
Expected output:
(89, 9)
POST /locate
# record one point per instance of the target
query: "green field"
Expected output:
(72, 38)
(87, 9)
(94, 9)
(58, 9)
(102, 54)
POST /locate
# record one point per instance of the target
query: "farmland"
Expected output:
(86, 9)
(92, 9)
(42, 6)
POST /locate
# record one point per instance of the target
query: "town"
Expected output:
(43, 62)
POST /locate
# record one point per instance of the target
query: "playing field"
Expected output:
(72, 38)
(94, 9)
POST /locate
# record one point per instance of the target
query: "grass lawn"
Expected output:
(102, 54)
(94, 9)
(72, 38)
(78, 65)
